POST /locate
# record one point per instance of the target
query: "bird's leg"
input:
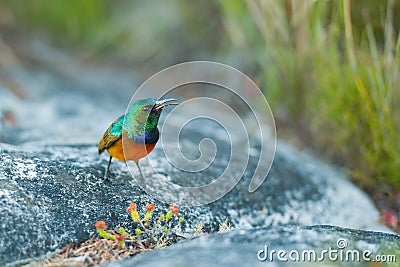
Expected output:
(140, 170)
(108, 169)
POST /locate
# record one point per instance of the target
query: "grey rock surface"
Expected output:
(53, 196)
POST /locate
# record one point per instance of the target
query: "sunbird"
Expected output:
(138, 129)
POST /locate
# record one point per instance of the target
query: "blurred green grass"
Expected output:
(74, 21)
(329, 68)
(333, 75)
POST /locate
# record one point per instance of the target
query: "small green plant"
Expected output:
(150, 231)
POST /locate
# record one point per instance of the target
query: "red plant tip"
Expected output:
(174, 209)
(119, 237)
(8, 118)
(100, 225)
(390, 219)
(150, 207)
(132, 207)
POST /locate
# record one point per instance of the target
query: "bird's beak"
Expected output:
(165, 102)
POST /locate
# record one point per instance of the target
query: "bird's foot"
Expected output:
(107, 176)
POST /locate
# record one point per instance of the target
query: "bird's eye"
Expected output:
(146, 109)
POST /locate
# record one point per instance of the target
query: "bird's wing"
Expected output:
(112, 135)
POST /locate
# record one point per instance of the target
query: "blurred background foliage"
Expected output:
(330, 69)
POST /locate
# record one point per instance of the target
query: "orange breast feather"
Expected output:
(133, 151)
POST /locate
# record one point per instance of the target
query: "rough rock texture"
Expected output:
(52, 195)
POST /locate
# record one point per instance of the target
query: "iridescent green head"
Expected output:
(142, 118)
